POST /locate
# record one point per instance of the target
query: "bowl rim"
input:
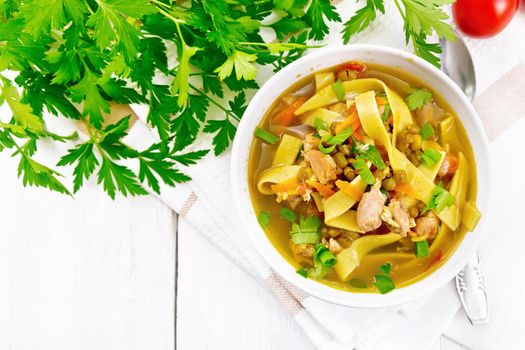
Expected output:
(279, 264)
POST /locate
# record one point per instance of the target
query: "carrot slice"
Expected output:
(349, 189)
(381, 100)
(287, 116)
(289, 186)
(406, 189)
(351, 121)
(359, 137)
(323, 190)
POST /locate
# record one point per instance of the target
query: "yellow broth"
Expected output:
(406, 269)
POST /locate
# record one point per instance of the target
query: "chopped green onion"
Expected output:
(326, 150)
(385, 269)
(339, 90)
(321, 268)
(287, 214)
(386, 112)
(264, 219)
(358, 283)
(302, 271)
(320, 124)
(333, 141)
(266, 136)
(383, 282)
(385, 192)
(427, 131)
(326, 257)
(431, 157)
(364, 171)
(421, 248)
(341, 137)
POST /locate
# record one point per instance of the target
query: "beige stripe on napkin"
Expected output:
(503, 102)
(188, 204)
(290, 302)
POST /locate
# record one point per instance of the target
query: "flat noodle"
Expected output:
(324, 114)
(350, 258)
(346, 221)
(275, 175)
(327, 95)
(337, 205)
(288, 150)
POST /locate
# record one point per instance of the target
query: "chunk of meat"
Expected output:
(449, 166)
(427, 225)
(303, 252)
(323, 165)
(370, 208)
(401, 216)
(339, 108)
(311, 142)
(444, 168)
(334, 246)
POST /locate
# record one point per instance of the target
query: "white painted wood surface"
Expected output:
(221, 307)
(85, 273)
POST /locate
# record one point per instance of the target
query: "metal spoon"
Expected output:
(457, 64)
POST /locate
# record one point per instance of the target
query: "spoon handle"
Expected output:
(470, 285)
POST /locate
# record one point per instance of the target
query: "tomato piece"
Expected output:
(435, 259)
(454, 164)
(355, 66)
(483, 18)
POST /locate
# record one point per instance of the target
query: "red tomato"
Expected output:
(483, 18)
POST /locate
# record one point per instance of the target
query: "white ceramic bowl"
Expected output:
(328, 57)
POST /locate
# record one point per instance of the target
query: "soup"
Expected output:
(363, 178)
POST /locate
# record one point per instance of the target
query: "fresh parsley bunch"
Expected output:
(421, 19)
(76, 58)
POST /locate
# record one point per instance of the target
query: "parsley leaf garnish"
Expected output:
(370, 153)
(418, 98)
(440, 199)
(287, 214)
(307, 230)
(264, 219)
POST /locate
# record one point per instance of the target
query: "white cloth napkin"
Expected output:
(206, 203)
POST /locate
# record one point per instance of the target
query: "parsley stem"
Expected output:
(169, 16)
(161, 3)
(225, 110)
(400, 10)
(396, 2)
